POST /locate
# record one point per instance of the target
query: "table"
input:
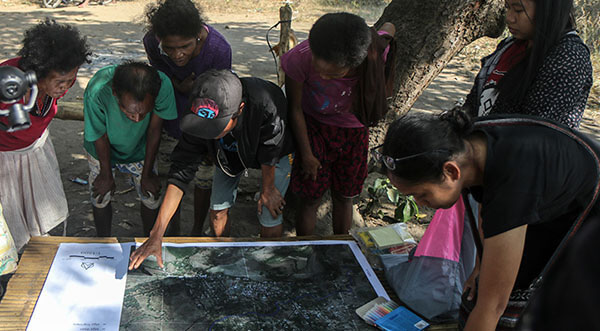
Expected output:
(26, 284)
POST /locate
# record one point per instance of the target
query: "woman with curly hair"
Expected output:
(31, 190)
(180, 44)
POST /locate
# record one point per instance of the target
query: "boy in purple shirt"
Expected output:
(182, 46)
(336, 87)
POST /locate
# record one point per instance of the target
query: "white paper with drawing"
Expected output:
(84, 288)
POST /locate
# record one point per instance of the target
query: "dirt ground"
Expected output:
(115, 31)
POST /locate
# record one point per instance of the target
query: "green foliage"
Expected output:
(376, 192)
(405, 206)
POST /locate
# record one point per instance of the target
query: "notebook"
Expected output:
(386, 237)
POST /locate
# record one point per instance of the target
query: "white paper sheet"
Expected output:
(84, 289)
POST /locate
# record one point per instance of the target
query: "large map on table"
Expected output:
(313, 285)
(307, 287)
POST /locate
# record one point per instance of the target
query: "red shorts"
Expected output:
(343, 155)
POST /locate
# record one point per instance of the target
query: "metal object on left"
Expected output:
(14, 85)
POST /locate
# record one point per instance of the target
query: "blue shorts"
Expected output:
(224, 189)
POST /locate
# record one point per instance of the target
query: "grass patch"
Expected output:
(587, 14)
(593, 104)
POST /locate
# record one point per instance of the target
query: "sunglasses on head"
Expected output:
(390, 162)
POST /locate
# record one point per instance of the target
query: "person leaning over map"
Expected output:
(124, 107)
(241, 124)
(31, 190)
(183, 48)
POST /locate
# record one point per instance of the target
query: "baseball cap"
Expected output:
(216, 96)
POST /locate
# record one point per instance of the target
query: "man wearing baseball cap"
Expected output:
(241, 124)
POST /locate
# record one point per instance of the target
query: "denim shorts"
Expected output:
(224, 189)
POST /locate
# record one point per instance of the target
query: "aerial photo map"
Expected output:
(297, 287)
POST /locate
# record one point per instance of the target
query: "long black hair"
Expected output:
(553, 18)
(431, 139)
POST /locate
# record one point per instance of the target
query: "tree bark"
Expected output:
(429, 33)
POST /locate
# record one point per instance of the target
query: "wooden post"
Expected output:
(285, 16)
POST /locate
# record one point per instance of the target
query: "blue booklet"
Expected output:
(401, 319)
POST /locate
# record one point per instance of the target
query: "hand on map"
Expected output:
(272, 199)
(310, 166)
(102, 185)
(152, 246)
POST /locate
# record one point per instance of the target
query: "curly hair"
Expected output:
(49, 46)
(340, 38)
(174, 17)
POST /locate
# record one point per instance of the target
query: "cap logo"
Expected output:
(205, 108)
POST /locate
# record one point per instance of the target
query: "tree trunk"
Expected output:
(429, 33)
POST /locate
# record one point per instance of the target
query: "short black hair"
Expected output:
(174, 18)
(340, 38)
(49, 46)
(137, 79)
(432, 139)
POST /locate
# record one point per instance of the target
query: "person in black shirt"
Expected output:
(241, 124)
(570, 295)
(532, 182)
